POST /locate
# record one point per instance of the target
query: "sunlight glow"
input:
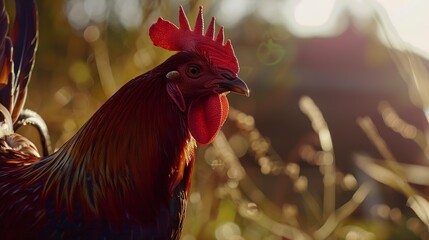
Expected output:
(231, 12)
(313, 13)
(307, 18)
(410, 20)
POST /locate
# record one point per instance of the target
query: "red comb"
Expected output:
(168, 36)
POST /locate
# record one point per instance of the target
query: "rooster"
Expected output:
(127, 172)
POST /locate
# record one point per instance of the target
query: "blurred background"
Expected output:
(332, 143)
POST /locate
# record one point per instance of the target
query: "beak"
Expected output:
(235, 85)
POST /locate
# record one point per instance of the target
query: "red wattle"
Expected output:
(225, 108)
(206, 116)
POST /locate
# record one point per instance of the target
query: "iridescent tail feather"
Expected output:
(17, 53)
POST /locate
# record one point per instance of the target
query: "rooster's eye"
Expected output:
(193, 71)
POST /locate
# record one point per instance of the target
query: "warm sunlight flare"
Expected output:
(313, 14)
(308, 18)
(411, 21)
(305, 18)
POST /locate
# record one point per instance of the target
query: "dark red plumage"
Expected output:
(127, 172)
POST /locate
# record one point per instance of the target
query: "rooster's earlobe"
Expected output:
(173, 75)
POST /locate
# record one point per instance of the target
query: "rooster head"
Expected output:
(202, 73)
